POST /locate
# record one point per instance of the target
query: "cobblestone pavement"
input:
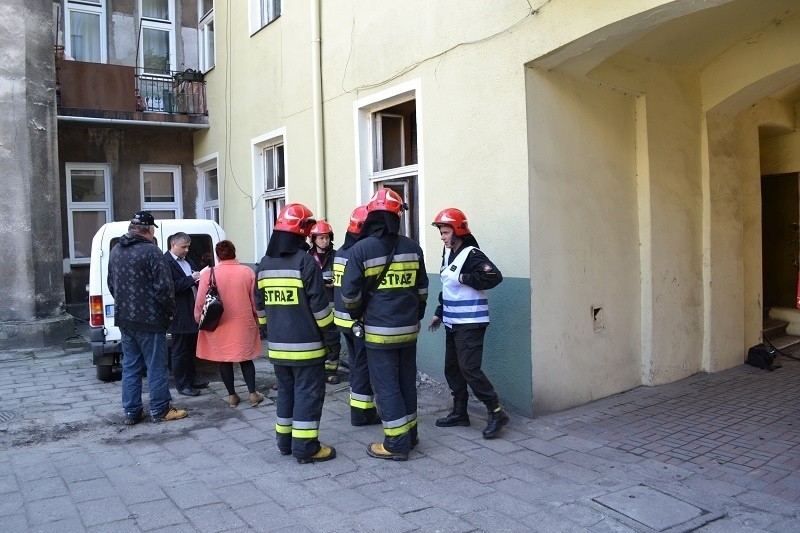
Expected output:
(715, 452)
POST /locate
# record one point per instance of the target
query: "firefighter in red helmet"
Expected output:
(292, 302)
(466, 274)
(385, 289)
(362, 399)
(323, 253)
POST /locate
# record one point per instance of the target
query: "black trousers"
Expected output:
(301, 393)
(333, 343)
(184, 346)
(362, 400)
(393, 375)
(463, 356)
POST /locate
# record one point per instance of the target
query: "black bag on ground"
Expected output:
(212, 308)
(761, 356)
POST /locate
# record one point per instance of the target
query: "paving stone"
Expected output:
(37, 489)
(49, 510)
(14, 522)
(102, 511)
(384, 520)
(651, 508)
(438, 520)
(542, 446)
(124, 526)
(213, 518)
(8, 483)
(267, 517)
(156, 514)
(191, 494)
(400, 501)
(92, 489)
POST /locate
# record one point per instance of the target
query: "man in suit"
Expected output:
(183, 327)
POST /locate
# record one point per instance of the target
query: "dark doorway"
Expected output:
(780, 248)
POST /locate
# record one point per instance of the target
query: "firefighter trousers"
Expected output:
(301, 393)
(362, 400)
(393, 375)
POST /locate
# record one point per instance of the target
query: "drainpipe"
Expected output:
(316, 82)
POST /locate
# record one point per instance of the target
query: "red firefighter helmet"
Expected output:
(386, 200)
(455, 218)
(321, 228)
(295, 218)
(357, 218)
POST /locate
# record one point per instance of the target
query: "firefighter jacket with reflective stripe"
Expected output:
(292, 302)
(461, 304)
(340, 315)
(393, 310)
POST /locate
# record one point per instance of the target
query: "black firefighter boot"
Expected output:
(457, 417)
(497, 419)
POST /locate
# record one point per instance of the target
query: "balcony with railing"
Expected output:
(97, 92)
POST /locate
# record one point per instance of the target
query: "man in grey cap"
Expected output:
(144, 302)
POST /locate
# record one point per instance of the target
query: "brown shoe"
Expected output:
(377, 450)
(325, 453)
(233, 400)
(170, 414)
(256, 398)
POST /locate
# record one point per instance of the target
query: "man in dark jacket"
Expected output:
(144, 302)
(183, 327)
(466, 274)
(385, 288)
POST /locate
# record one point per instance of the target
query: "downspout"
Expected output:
(316, 82)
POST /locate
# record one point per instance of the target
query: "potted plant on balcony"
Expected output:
(188, 75)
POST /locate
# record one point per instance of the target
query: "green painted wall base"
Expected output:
(507, 347)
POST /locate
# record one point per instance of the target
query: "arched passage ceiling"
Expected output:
(694, 36)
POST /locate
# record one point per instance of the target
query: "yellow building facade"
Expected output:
(610, 156)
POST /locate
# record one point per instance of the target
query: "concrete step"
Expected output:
(774, 328)
(784, 342)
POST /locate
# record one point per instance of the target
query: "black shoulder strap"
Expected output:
(368, 292)
(781, 352)
(389, 259)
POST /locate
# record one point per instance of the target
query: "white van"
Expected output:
(104, 337)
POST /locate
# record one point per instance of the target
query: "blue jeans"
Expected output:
(142, 349)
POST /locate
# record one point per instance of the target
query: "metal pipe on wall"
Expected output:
(316, 82)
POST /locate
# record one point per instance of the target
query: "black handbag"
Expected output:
(212, 308)
(761, 356)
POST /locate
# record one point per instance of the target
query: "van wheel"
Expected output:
(104, 372)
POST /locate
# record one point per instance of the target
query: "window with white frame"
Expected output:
(205, 32)
(157, 54)
(274, 183)
(394, 163)
(262, 12)
(88, 206)
(85, 30)
(210, 194)
(269, 185)
(161, 190)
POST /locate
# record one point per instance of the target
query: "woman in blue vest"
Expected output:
(466, 274)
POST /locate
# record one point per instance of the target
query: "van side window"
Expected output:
(201, 250)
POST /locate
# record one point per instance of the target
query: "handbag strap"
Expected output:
(213, 279)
